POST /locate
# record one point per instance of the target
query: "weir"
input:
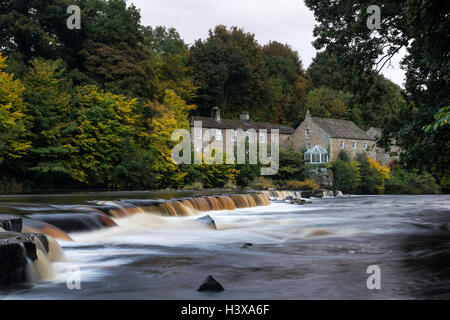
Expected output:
(36, 249)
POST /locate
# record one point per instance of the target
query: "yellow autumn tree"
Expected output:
(169, 116)
(383, 170)
(14, 141)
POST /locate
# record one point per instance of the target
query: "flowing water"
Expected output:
(281, 251)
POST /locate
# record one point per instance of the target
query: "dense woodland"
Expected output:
(96, 107)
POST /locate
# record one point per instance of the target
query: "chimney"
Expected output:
(308, 115)
(245, 117)
(215, 114)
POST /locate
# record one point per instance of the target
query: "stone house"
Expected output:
(218, 127)
(323, 139)
(320, 139)
(382, 156)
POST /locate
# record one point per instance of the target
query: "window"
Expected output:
(354, 145)
(198, 133)
(365, 145)
(341, 145)
(308, 146)
(262, 137)
(234, 136)
(316, 155)
(218, 134)
(306, 133)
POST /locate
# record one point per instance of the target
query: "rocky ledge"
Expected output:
(17, 250)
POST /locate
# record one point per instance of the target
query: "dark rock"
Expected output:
(210, 284)
(11, 223)
(246, 245)
(15, 251)
(443, 226)
(207, 220)
(71, 222)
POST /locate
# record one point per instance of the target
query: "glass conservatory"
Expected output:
(316, 155)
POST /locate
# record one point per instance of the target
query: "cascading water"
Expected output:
(163, 249)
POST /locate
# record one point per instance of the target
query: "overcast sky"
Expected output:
(285, 21)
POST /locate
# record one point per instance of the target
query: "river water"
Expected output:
(315, 251)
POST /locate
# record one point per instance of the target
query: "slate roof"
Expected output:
(238, 124)
(341, 129)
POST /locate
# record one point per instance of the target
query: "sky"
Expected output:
(285, 21)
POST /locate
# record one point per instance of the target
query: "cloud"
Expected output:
(286, 21)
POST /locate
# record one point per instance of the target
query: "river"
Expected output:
(314, 251)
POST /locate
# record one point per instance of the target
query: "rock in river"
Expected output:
(210, 284)
(207, 220)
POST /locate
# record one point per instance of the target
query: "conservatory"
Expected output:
(316, 155)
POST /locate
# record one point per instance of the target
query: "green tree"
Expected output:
(14, 139)
(48, 98)
(170, 56)
(105, 127)
(229, 70)
(346, 175)
(287, 84)
(328, 103)
(420, 27)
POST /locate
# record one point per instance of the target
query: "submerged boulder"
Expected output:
(207, 220)
(210, 284)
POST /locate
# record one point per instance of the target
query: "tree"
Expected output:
(48, 98)
(372, 99)
(419, 26)
(346, 175)
(328, 103)
(287, 84)
(169, 116)
(229, 71)
(105, 127)
(170, 56)
(14, 136)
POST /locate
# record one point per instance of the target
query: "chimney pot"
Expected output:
(215, 113)
(245, 117)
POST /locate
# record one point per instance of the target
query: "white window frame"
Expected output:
(198, 133)
(308, 146)
(354, 145)
(306, 133)
(262, 137)
(218, 135)
(234, 136)
(365, 145)
(342, 144)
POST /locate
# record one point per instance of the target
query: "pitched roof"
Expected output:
(238, 124)
(341, 129)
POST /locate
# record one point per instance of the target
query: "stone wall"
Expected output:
(335, 148)
(317, 136)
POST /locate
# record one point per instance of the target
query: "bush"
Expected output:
(230, 185)
(292, 166)
(371, 180)
(308, 184)
(194, 186)
(262, 183)
(403, 182)
(345, 176)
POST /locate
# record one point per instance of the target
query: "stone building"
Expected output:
(323, 139)
(320, 139)
(386, 158)
(253, 130)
